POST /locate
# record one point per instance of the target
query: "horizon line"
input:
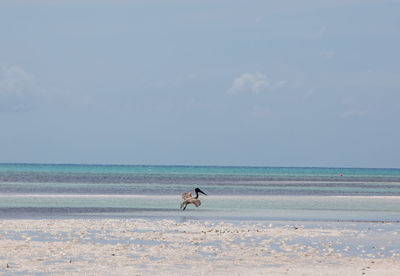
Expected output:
(182, 165)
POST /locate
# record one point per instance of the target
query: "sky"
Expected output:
(200, 82)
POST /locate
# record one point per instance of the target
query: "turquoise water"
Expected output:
(201, 170)
(29, 190)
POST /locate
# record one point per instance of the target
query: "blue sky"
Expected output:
(265, 83)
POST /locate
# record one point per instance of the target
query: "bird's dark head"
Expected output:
(197, 190)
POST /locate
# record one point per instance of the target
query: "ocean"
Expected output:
(237, 193)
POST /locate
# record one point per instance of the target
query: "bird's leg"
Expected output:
(184, 207)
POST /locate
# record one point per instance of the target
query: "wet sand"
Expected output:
(172, 247)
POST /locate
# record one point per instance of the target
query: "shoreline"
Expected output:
(147, 246)
(192, 217)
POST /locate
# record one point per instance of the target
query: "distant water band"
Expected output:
(248, 191)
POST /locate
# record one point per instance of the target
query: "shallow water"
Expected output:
(50, 191)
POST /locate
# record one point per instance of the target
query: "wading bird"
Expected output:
(189, 199)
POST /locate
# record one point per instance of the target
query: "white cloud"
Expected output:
(255, 83)
(352, 108)
(13, 78)
(18, 89)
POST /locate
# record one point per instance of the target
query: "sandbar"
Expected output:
(199, 247)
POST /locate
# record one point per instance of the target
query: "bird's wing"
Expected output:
(194, 201)
(187, 195)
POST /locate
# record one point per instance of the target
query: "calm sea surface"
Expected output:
(59, 191)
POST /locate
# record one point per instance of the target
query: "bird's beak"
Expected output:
(200, 191)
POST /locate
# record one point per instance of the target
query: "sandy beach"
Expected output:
(171, 247)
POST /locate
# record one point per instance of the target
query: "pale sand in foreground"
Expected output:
(167, 247)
